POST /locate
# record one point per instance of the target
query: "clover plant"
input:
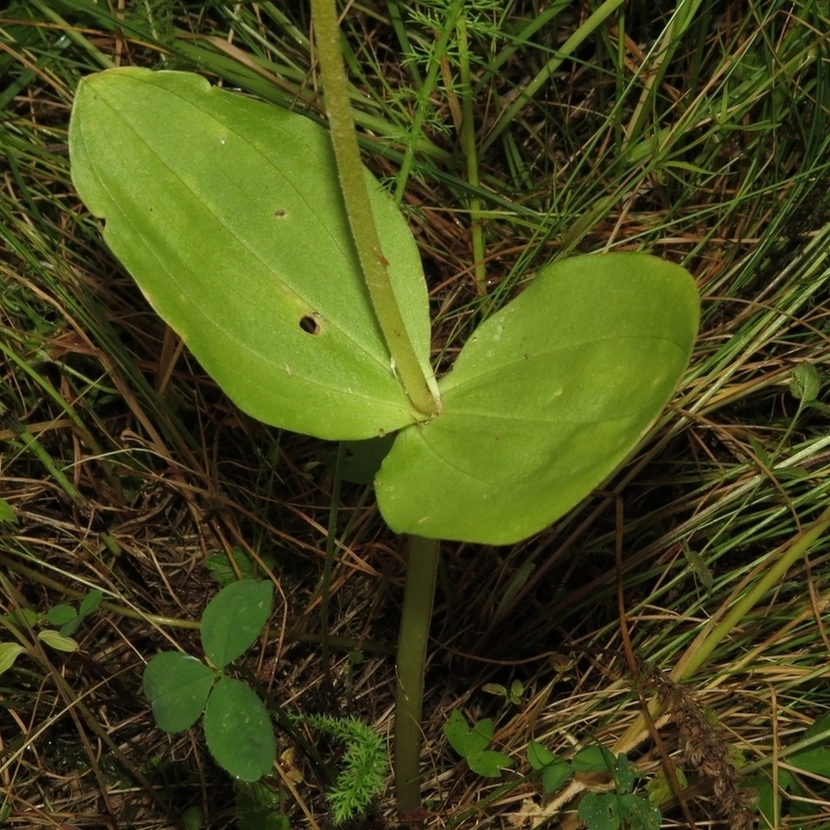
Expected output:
(181, 688)
(293, 278)
(472, 742)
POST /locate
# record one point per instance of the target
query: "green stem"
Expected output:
(419, 593)
(359, 210)
(468, 143)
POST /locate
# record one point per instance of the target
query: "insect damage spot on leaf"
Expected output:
(280, 214)
(310, 324)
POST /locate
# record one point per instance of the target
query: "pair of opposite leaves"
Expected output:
(228, 214)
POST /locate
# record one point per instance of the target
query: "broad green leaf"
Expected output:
(61, 614)
(638, 813)
(69, 628)
(23, 616)
(819, 726)
(547, 398)
(554, 776)
(539, 756)
(815, 760)
(768, 802)
(464, 740)
(457, 732)
(238, 730)
(599, 812)
(57, 641)
(227, 212)
(234, 618)
(177, 686)
(555, 771)
(489, 763)
(624, 775)
(90, 602)
(8, 654)
(593, 758)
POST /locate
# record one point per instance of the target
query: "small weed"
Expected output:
(512, 695)
(180, 688)
(237, 725)
(618, 809)
(364, 764)
(68, 618)
(471, 744)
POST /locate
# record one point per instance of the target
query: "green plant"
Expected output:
(364, 764)
(236, 721)
(572, 371)
(617, 809)
(512, 695)
(63, 615)
(306, 302)
(180, 688)
(471, 744)
(68, 618)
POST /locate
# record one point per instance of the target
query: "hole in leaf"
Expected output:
(309, 324)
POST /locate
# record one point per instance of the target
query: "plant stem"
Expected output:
(419, 593)
(468, 144)
(359, 210)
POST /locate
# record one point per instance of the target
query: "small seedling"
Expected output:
(180, 688)
(68, 619)
(66, 616)
(471, 744)
(237, 725)
(512, 695)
